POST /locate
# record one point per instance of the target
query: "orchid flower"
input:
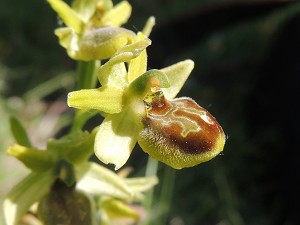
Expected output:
(92, 29)
(139, 106)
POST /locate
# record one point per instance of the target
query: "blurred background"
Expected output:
(247, 74)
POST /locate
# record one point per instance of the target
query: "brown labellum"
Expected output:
(179, 132)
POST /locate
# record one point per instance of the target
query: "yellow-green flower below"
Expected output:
(65, 161)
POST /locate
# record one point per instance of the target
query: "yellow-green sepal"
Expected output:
(34, 159)
(177, 75)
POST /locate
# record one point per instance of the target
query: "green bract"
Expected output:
(92, 29)
(122, 95)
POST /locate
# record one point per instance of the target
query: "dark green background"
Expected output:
(247, 74)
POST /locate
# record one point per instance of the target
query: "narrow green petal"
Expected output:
(30, 190)
(118, 15)
(110, 75)
(116, 138)
(97, 180)
(67, 14)
(177, 75)
(140, 44)
(105, 99)
(148, 27)
(34, 159)
(138, 66)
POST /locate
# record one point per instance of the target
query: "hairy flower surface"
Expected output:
(92, 29)
(139, 108)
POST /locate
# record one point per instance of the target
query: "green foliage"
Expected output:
(19, 132)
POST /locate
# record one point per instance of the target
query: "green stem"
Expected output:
(81, 116)
(86, 79)
(159, 211)
(166, 193)
(151, 170)
(87, 74)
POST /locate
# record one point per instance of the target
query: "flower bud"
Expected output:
(179, 132)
